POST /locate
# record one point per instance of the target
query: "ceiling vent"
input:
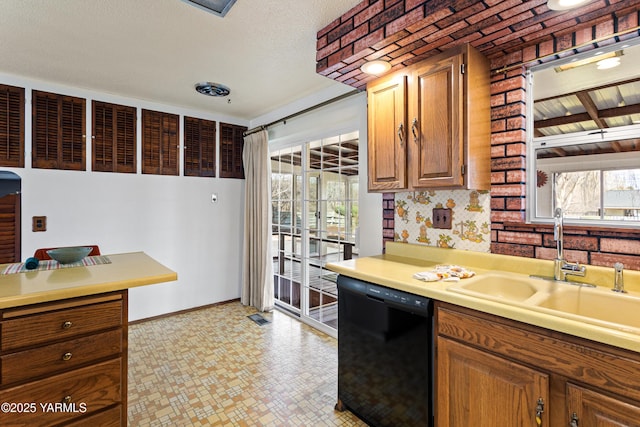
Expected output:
(212, 89)
(217, 7)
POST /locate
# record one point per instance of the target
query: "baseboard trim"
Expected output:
(187, 310)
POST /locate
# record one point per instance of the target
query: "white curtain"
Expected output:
(257, 264)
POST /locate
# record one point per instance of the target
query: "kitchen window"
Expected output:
(58, 131)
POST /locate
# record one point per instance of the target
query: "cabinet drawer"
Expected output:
(62, 324)
(59, 357)
(112, 417)
(84, 391)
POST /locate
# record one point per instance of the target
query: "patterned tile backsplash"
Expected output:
(470, 224)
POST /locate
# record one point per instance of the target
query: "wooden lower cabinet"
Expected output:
(509, 392)
(65, 362)
(492, 371)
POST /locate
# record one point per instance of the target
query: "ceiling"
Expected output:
(157, 50)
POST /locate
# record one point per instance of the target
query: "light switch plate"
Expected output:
(441, 218)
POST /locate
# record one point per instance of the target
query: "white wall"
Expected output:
(171, 218)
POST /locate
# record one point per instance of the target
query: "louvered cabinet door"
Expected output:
(159, 143)
(231, 146)
(11, 126)
(58, 132)
(199, 147)
(10, 228)
(114, 138)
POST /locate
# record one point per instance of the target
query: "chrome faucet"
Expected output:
(562, 268)
(618, 279)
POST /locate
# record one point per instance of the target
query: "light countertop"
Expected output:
(396, 268)
(127, 270)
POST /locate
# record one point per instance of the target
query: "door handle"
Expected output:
(414, 126)
(401, 133)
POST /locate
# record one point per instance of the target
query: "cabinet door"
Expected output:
(477, 389)
(595, 409)
(387, 155)
(435, 120)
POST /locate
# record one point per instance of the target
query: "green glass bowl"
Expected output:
(69, 254)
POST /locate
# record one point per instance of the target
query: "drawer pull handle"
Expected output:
(66, 399)
(67, 356)
(67, 325)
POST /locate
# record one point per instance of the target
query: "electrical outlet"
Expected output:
(214, 198)
(39, 223)
(441, 218)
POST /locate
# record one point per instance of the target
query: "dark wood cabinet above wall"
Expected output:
(11, 126)
(114, 138)
(199, 147)
(231, 145)
(160, 134)
(59, 132)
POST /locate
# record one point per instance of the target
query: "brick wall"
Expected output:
(509, 33)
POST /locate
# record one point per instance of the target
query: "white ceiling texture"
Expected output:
(157, 50)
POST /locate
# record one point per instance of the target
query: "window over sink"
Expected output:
(583, 139)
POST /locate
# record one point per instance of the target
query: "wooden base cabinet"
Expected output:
(430, 125)
(492, 371)
(65, 362)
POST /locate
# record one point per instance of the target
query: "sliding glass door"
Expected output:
(315, 221)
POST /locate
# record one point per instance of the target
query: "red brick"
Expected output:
(499, 99)
(491, 11)
(497, 177)
(516, 203)
(387, 15)
(340, 31)
(497, 151)
(341, 55)
(508, 190)
(429, 20)
(521, 238)
(628, 21)
(328, 50)
(404, 21)
(368, 13)
(369, 40)
(604, 29)
(512, 249)
(507, 85)
(620, 246)
(516, 176)
(498, 126)
(516, 149)
(516, 123)
(509, 110)
(497, 203)
(517, 95)
(509, 136)
(354, 35)
(607, 260)
(508, 163)
(328, 28)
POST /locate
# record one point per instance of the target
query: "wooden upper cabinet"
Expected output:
(58, 131)
(387, 151)
(199, 147)
(114, 138)
(447, 126)
(160, 133)
(436, 148)
(231, 146)
(11, 126)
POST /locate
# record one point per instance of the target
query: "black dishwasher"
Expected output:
(385, 354)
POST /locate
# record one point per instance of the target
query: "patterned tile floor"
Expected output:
(216, 367)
